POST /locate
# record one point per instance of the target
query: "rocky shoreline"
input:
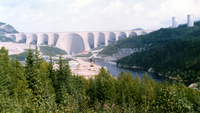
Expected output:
(151, 71)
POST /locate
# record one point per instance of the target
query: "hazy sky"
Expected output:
(94, 15)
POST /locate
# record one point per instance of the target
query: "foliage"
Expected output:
(6, 39)
(155, 39)
(47, 50)
(38, 87)
(98, 48)
(85, 55)
(23, 54)
(168, 51)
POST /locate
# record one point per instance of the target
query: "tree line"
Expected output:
(178, 57)
(39, 87)
(168, 51)
(155, 39)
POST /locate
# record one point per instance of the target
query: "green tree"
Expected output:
(61, 79)
(19, 80)
(91, 91)
(38, 79)
(5, 71)
(173, 99)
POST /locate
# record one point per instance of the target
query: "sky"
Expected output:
(33, 16)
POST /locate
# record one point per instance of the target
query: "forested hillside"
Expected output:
(168, 51)
(175, 52)
(39, 88)
(154, 39)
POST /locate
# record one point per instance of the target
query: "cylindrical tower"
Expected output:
(174, 22)
(190, 20)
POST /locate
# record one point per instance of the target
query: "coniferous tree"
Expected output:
(120, 90)
(51, 70)
(99, 88)
(109, 88)
(6, 85)
(147, 90)
(127, 94)
(173, 99)
(5, 69)
(67, 76)
(136, 95)
(21, 84)
(91, 91)
(37, 56)
(38, 80)
(30, 70)
(61, 80)
(47, 93)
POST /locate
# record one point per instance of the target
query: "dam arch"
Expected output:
(13, 37)
(90, 39)
(33, 39)
(122, 35)
(44, 38)
(73, 43)
(22, 38)
(112, 37)
(53, 39)
(132, 34)
(101, 39)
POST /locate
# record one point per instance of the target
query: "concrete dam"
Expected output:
(75, 42)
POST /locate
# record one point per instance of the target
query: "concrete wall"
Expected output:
(75, 42)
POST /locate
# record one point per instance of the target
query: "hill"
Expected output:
(137, 29)
(153, 39)
(45, 50)
(6, 28)
(168, 51)
(5, 39)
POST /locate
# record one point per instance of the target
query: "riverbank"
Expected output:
(150, 70)
(85, 70)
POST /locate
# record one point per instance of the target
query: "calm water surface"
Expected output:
(114, 70)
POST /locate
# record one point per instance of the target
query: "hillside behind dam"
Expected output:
(167, 51)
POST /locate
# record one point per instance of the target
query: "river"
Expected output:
(114, 70)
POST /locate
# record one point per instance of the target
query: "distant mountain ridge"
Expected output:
(136, 29)
(6, 28)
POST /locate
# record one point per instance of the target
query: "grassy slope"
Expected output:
(46, 50)
(24, 54)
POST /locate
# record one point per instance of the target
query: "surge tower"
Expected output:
(190, 20)
(174, 22)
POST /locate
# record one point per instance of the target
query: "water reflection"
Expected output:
(114, 70)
